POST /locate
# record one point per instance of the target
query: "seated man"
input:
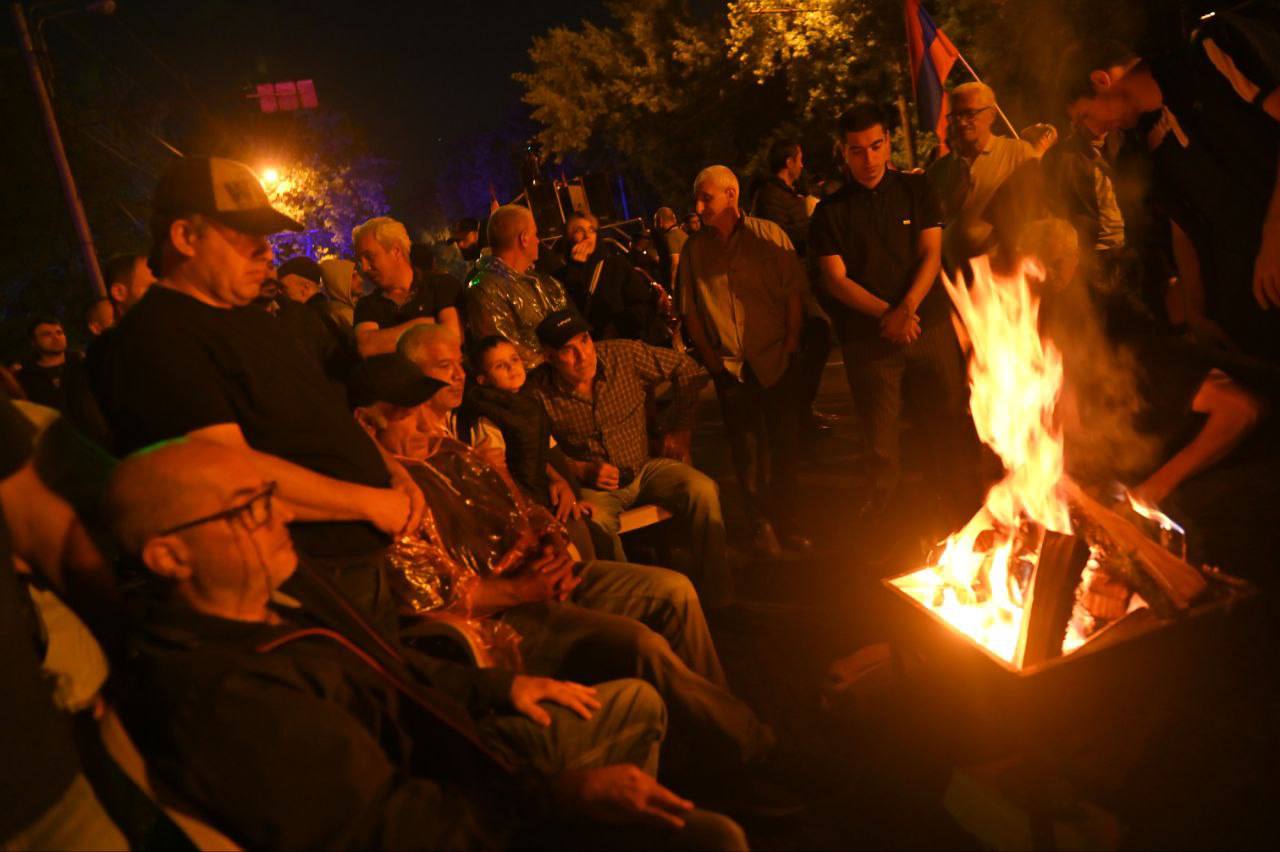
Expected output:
(508, 294)
(292, 728)
(405, 295)
(591, 623)
(595, 394)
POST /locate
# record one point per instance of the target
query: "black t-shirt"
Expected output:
(876, 232)
(44, 384)
(176, 365)
(37, 756)
(429, 294)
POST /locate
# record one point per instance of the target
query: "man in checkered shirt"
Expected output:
(595, 394)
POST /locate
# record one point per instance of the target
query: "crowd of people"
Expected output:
(350, 532)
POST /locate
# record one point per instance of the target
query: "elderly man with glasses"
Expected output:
(969, 177)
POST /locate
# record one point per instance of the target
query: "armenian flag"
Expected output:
(932, 55)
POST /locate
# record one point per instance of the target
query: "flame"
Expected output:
(1151, 513)
(1015, 379)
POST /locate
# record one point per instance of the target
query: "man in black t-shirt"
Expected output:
(192, 359)
(878, 248)
(41, 377)
(405, 296)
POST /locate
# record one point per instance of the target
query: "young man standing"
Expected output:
(878, 245)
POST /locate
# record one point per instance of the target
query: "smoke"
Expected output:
(1100, 406)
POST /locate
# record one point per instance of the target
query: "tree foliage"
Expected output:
(672, 85)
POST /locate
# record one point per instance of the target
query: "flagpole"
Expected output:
(994, 102)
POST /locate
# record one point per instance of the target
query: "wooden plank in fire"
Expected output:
(1050, 597)
(1181, 582)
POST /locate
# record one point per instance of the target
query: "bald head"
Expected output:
(173, 482)
(507, 224)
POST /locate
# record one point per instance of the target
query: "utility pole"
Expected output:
(85, 237)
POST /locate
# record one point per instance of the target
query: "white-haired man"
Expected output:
(740, 291)
(405, 296)
(967, 179)
(507, 295)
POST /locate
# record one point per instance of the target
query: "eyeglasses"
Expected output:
(966, 114)
(254, 513)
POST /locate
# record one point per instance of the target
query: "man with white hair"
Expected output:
(507, 295)
(967, 179)
(740, 290)
(405, 296)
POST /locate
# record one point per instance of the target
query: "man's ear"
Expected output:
(168, 556)
(1101, 80)
(183, 233)
(731, 192)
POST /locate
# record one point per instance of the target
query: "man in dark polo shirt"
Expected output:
(192, 359)
(878, 247)
(404, 296)
(1216, 146)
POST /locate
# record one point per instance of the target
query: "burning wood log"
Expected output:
(1051, 597)
(1180, 582)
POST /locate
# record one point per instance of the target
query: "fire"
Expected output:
(977, 583)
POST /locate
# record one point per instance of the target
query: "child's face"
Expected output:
(503, 368)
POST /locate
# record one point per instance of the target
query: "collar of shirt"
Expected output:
(890, 177)
(565, 389)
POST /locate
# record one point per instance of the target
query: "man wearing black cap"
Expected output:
(189, 359)
(595, 394)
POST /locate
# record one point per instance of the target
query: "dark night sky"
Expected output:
(421, 79)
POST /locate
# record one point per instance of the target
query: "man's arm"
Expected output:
(1232, 413)
(313, 496)
(449, 317)
(1266, 269)
(838, 283)
(371, 340)
(655, 365)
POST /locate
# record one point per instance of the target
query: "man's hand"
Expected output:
(401, 481)
(1266, 269)
(1040, 136)
(390, 511)
(621, 794)
(552, 575)
(564, 501)
(900, 325)
(580, 251)
(604, 476)
(676, 445)
(527, 691)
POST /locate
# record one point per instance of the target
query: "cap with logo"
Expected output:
(224, 190)
(560, 327)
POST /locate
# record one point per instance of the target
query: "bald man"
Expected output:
(508, 296)
(968, 178)
(740, 289)
(293, 726)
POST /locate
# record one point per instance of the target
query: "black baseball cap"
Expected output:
(391, 378)
(224, 190)
(304, 266)
(560, 327)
